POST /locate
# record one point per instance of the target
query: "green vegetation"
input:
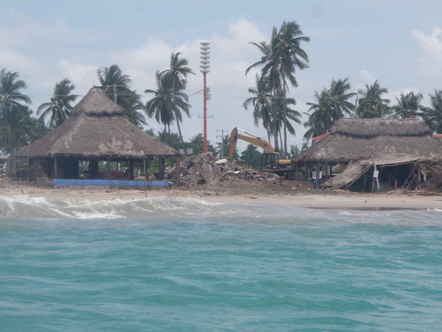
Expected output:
(330, 105)
(408, 105)
(60, 106)
(280, 58)
(116, 85)
(433, 114)
(17, 126)
(371, 102)
(251, 156)
(271, 100)
(169, 100)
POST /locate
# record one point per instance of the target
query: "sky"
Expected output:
(397, 42)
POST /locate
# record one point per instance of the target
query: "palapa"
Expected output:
(392, 140)
(97, 128)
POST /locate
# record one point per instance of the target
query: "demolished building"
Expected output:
(403, 153)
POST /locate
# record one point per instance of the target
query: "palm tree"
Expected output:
(13, 102)
(282, 117)
(133, 108)
(59, 108)
(114, 82)
(320, 119)
(433, 114)
(371, 102)
(331, 104)
(340, 98)
(279, 61)
(261, 102)
(408, 105)
(116, 85)
(282, 56)
(176, 77)
(166, 103)
(178, 71)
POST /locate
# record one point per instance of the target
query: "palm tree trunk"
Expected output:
(179, 130)
(276, 140)
(281, 141)
(285, 138)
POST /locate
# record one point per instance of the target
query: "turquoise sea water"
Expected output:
(192, 266)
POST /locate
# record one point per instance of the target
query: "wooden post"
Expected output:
(131, 169)
(55, 167)
(145, 168)
(162, 168)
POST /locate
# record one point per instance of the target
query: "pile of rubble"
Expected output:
(205, 169)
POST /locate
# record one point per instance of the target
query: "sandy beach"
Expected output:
(313, 200)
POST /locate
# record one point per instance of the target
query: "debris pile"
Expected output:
(205, 169)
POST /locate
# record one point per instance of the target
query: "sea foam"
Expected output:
(25, 206)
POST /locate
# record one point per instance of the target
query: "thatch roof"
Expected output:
(365, 139)
(97, 128)
(368, 128)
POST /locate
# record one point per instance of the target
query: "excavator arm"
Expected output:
(235, 135)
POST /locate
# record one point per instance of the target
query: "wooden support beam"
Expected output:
(131, 169)
(55, 167)
(162, 168)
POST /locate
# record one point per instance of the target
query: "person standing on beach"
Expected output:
(376, 184)
(316, 177)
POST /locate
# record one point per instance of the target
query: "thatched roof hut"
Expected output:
(364, 143)
(97, 129)
(367, 139)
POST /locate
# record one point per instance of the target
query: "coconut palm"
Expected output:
(166, 103)
(116, 85)
(282, 56)
(133, 108)
(341, 98)
(320, 117)
(114, 82)
(408, 105)
(331, 104)
(13, 105)
(371, 102)
(433, 114)
(261, 102)
(178, 71)
(283, 116)
(59, 108)
(176, 77)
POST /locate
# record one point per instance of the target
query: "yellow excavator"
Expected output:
(270, 155)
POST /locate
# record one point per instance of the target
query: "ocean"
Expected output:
(183, 264)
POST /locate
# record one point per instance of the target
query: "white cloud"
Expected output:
(430, 45)
(84, 76)
(43, 55)
(230, 56)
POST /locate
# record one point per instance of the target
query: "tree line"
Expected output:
(19, 125)
(274, 107)
(339, 101)
(271, 99)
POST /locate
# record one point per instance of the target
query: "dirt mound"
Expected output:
(205, 169)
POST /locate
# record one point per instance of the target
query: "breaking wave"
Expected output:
(193, 209)
(32, 207)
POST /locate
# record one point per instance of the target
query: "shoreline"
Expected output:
(309, 200)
